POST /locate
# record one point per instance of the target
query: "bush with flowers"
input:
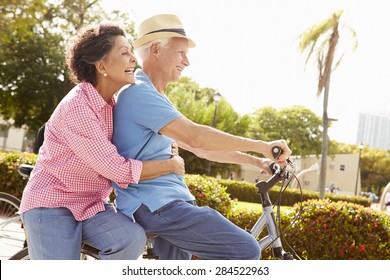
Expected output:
(208, 192)
(329, 230)
(10, 180)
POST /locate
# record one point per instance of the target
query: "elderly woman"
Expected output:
(145, 125)
(64, 202)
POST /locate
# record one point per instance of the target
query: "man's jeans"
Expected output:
(184, 230)
(53, 233)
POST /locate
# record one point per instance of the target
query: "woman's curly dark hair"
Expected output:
(90, 45)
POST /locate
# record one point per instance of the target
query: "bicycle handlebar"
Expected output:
(278, 172)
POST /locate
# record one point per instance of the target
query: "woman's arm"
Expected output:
(156, 168)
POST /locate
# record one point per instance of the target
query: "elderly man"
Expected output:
(145, 125)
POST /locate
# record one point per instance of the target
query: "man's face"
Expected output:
(174, 58)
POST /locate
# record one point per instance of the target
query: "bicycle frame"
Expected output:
(267, 219)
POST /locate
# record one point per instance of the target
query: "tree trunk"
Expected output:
(324, 152)
(325, 120)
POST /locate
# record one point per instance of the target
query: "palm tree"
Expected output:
(322, 40)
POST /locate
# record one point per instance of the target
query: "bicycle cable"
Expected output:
(282, 231)
(278, 204)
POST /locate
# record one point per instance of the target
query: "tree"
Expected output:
(298, 125)
(326, 35)
(375, 169)
(33, 73)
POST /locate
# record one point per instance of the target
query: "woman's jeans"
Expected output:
(54, 234)
(184, 230)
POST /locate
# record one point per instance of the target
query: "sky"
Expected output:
(248, 51)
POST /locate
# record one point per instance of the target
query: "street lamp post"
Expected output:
(217, 97)
(358, 169)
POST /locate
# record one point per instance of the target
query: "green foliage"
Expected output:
(310, 37)
(245, 218)
(10, 180)
(341, 231)
(244, 191)
(208, 192)
(375, 169)
(293, 124)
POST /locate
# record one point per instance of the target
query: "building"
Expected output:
(374, 129)
(342, 175)
(14, 139)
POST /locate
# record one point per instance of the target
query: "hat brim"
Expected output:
(159, 35)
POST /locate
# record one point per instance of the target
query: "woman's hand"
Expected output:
(175, 149)
(264, 164)
(178, 165)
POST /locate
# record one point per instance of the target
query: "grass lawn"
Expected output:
(257, 206)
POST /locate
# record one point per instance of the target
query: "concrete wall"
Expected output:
(13, 139)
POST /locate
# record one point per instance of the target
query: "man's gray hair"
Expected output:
(143, 52)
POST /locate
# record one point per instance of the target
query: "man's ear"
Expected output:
(155, 49)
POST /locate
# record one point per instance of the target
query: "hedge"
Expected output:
(244, 191)
(327, 230)
(10, 180)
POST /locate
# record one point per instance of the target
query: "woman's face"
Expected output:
(119, 63)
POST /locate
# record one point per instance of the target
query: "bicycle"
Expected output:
(266, 219)
(11, 229)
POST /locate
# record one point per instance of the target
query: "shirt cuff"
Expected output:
(134, 175)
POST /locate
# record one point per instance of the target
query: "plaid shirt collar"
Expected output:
(94, 97)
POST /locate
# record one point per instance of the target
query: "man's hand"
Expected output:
(286, 152)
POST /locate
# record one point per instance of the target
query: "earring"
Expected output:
(105, 74)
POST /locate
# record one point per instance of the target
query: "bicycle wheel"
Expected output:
(12, 237)
(87, 253)
(21, 255)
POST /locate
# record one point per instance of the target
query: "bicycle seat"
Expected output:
(25, 170)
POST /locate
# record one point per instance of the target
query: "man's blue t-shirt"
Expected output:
(141, 111)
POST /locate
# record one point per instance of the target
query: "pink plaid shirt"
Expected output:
(77, 161)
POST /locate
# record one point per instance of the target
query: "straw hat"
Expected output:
(161, 26)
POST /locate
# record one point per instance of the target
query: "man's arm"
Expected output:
(190, 135)
(234, 158)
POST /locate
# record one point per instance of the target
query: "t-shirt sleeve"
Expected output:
(149, 108)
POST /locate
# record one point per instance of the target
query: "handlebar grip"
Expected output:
(276, 152)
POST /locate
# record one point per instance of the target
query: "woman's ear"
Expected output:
(99, 65)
